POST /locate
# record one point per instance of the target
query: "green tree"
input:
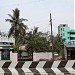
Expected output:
(58, 43)
(37, 42)
(18, 29)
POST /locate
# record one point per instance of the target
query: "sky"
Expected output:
(37, 12)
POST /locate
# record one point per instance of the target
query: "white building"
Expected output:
(6, 45)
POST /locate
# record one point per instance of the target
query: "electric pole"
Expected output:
(51, 40)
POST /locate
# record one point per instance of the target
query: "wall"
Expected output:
(13, 56)
(38, 68)
(42, 55)
(64, 32)
(66, 35)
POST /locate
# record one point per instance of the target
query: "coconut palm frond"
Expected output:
(11, 31)
(9, 20)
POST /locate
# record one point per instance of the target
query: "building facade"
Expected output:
(72, 37)
(63, 31)
(6, 45)
(68, 37)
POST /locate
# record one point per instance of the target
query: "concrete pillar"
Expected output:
(10, 55)
(0, 55)
(65, 52)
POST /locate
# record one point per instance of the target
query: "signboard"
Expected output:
(6, 47)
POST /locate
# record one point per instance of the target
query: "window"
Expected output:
(63, 34)
(64, 25)
(68, 37)
(68, 32)
(63, 29)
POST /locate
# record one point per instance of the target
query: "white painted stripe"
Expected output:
(1, 70)
(56, 70)
(13, 71)
(71, 70)
(70, 63)
(59, 73)
(41, 64)
(29, 74)
(13, 65)
(1, 73)
(41, 71)
(1, 63)
(26, 70)
(56, 64)
(27, 64)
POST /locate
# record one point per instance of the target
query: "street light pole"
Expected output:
(51, 37)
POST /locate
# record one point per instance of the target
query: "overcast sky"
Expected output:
(37, 12)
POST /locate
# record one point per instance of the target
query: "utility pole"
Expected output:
(51, 40)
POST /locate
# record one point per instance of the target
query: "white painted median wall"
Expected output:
(42, 55)
(13, 56)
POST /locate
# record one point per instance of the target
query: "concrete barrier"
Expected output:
(13, 56)
(42, 55)
(37, 68)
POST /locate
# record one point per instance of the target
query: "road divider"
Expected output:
(38, 67)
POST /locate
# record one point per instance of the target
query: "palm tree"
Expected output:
(17, 26)
(35, 31)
